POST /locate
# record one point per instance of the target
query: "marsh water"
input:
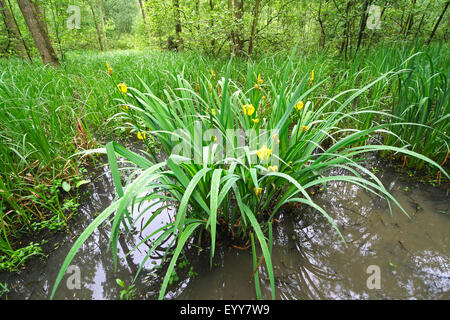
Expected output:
(310, 259)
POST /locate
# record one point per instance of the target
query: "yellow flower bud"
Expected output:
(312, 78)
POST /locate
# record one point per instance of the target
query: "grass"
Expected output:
(292, 141)
(421, 102)
(396, 95)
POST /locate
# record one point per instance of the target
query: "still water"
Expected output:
(310, 259)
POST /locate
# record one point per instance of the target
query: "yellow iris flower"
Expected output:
(248, 109)
(264, 153)
(141, 135)
(122, 87)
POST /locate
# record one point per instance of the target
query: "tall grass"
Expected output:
(422, 109)
(247, 186)
(47, 114)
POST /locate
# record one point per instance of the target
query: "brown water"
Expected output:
(310, 259)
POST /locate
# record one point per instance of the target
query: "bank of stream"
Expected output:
(310, 260)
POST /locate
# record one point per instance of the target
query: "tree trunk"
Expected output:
(38, 32)
(362, 27)
(100, 42)
(410, 21)
(211, 24)
(345, 40)
(254, 24)
(419, 27)
(179, 40)
(41, 15)
(238, 12)
(197, 12)
(322, 28)
(438, 22)
(54, 11)
(230, 10)
(102, 21)
(144, 18)
(13, 31)
(143, 12)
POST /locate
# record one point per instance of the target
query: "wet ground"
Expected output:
(387, 257)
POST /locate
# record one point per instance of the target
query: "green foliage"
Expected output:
(422, 109)
(3, 289)
(17, 258)
(307, 140)
(127, 293)
(214, 26)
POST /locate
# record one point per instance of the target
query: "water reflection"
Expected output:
(310, 259)
(312, 262)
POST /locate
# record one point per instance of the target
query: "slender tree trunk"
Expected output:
(322, 28)
(254, 24)
(438, 22)
(179, 44)
(345, 41)
(55, 23)
(230, 10)
(38, 32)
(410, 20)
(211, 24)
(99, 35)
(419, 27)
(351, 24)
(197, 12)
(238, 12)
(8, 4)
(143, 12)
(362, 27)
(13, 31)
(102, 21)
(144, 17)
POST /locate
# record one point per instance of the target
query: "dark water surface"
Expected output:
(310, 259)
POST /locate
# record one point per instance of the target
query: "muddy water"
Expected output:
(312, 262)
(310, 259)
